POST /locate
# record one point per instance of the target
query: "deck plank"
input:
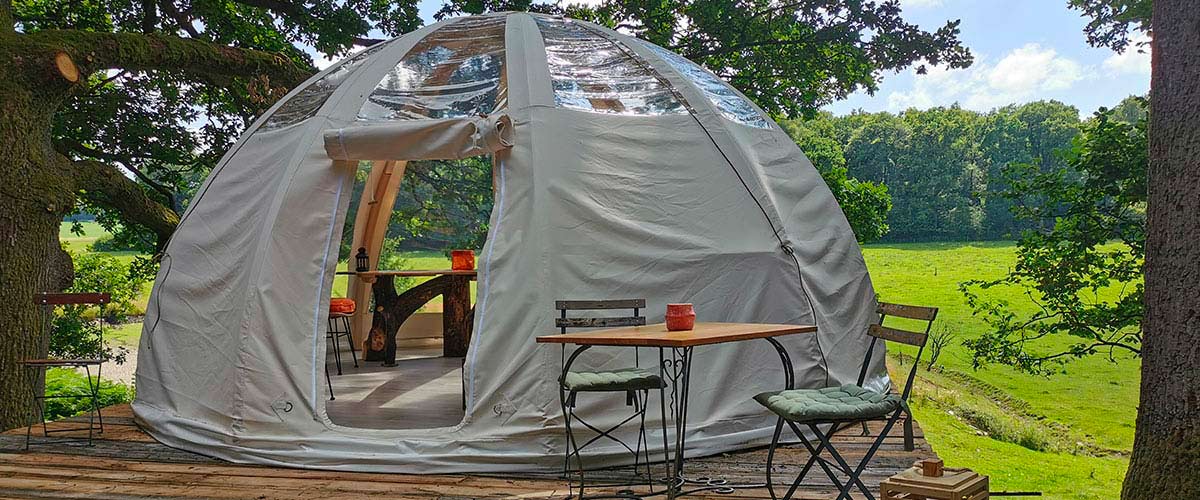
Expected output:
(126, 463)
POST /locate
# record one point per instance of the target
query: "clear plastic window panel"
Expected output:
(593, 73)
(727, 100)
(304, 105)
(451, 73)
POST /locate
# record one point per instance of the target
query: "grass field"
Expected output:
(1067, 435)
(996, 420)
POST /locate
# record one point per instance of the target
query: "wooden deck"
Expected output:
(126, 463)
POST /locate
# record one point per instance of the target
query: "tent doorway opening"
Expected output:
(407, 216)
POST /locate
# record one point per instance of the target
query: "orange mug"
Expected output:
(680, 317)
(462, 260)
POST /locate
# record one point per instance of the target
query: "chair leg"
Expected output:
(857, 471)
(36, 403)
(330, 383)
(349, 339)
(644, 441)
(814, 456)
(573, 447)
(337, 353)
(94, 389)
(99, 410)
(771, 456)
(909, 444)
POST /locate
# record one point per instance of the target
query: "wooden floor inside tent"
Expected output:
(126, 463)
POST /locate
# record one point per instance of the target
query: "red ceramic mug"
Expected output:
(680, 317)
(462, 260)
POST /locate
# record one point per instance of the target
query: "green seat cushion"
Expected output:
(848, 402)
(625, 379)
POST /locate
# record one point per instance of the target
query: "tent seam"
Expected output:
(487, 283)
(337, 198)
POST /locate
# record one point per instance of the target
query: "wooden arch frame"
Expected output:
(370, 227)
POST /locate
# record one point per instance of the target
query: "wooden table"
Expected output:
(392, 309)
(677, 371)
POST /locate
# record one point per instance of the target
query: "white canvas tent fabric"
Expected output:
(621, 170)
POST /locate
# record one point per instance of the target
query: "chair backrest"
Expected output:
(71, 299)
(918, 339)
(50, 301)
(563, 322)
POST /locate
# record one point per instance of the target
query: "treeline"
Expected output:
(943, 167)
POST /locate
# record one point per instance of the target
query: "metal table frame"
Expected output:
(676, 370)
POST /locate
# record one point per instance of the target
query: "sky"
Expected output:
(1025, 50)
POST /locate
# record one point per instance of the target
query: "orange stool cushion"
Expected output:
(345, 306)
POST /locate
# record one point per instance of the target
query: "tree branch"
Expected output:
(105, 185)
(83, 150)
(204, 60)
(184, 22)
(279, 7)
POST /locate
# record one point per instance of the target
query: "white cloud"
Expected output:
(1025, 73)
(1134, 61)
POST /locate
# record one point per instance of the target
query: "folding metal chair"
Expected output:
(37, 366)
(838, 407)
(635, 382)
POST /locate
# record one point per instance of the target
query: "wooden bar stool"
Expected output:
(340, 312)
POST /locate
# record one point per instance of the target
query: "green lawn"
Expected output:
(1093, 403)
(1067, 435)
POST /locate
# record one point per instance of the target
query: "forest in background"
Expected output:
(945, 167)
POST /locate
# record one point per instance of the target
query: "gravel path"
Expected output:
(122, 373)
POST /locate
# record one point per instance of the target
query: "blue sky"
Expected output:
(1025, 50)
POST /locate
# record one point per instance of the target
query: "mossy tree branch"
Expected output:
(105, 185)
(206, 61)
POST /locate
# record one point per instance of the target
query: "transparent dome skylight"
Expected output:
(451, 73)
(593, 73)
(732, 106)
(304, 105)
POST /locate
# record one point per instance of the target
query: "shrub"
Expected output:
(68, 381)
(75, 328)
(97, 272)
(107, 243)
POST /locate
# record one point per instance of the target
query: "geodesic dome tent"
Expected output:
(620, 170)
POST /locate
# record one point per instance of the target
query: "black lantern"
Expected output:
(360, 261)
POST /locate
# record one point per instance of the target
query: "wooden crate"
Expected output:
(954, 484)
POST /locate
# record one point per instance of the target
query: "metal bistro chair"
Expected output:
(35, 367)
(635, 382)
(847, 405)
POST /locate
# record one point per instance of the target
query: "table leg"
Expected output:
(677, 371)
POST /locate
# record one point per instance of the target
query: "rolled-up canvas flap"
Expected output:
(438, 139)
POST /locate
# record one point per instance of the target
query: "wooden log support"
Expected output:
(456, 316)
(370, 226)
(392, 309)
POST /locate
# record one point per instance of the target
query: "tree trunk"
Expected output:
(36, 192)
(38, 185)
(1166, 448)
